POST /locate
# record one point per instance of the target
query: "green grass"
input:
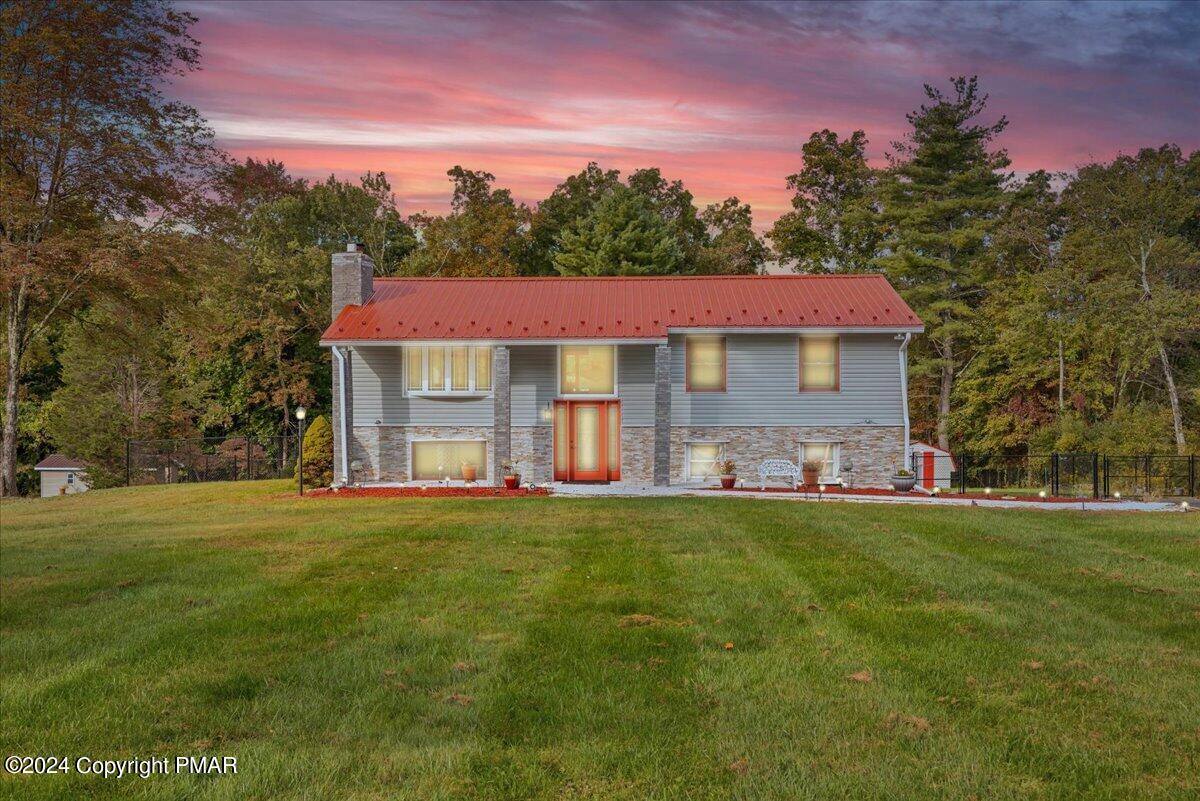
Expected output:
(467, 648)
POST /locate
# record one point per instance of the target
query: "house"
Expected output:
(646, 380)
(61, 475)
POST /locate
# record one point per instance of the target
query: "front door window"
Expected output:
(587, 444)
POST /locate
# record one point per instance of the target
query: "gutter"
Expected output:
(904, 398)
(341, 367)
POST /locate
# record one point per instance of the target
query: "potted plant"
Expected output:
(811, 472)
(728, 472)
(512, 479)
(903, 480)
(468, 471)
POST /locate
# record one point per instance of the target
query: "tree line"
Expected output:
(155, 287)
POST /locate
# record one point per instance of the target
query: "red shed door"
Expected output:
(927, 478)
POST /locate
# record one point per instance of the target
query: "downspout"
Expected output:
(341, 367)
(904, 399)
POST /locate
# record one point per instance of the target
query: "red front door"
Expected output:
(586, 440)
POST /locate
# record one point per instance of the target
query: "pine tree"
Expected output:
(622, 236)
(318, 454)
(940, 201)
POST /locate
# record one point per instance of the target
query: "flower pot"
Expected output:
(727, 482)
(903, 483)
(811, 477)
(512, 482)
(468, 472)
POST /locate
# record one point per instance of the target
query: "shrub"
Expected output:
(318, 454)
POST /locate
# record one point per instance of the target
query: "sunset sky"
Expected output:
(721, 96)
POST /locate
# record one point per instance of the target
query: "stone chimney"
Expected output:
(353, 278)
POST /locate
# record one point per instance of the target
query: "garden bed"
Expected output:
(425, 492)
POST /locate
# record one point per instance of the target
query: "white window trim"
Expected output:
(481, 479)
(687, 456)
(837, 458)
(424, 391)
(589, 396)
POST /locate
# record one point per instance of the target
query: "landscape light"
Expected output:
(1117, 495)
(301, 412)
(987, 490)
(1184, 505)
(1042, 494)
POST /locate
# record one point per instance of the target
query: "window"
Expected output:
(705, 364)
(70, 478)
(457, 369)
(587, 370)
(819, 364)
(702, 458)
(433, 460)
(824, 452)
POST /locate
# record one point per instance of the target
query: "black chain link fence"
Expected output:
(179, 461)
(1064, 475)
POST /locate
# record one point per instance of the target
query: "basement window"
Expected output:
(448, 370)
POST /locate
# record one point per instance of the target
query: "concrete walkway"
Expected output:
(647, 491)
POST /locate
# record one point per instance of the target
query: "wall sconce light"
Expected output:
(547, 412)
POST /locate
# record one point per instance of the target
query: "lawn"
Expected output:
(598, 648)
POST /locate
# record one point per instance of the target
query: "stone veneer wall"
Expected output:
(637, 454)
(533, 453)
(872, 449)
(383, 450)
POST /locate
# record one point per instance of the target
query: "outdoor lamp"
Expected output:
(301, 413)
(987, 490)
(1184, 505)
(1042, 494)
(1117, 495)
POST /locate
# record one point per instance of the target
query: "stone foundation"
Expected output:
(383, 450)
(872, 450)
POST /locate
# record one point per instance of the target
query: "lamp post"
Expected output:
(301, 413)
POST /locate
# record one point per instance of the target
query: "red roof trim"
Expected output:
(524, 308)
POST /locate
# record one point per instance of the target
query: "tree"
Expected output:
(485, 233)
(940, 200)
(673, 205)
(1136, 216)
(622, 236)
(88, 142)
(572, 200)
(117, 384)
(832, 225)
(318, 454)
(732, 247)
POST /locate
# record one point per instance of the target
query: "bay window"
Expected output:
(448, 370)
(819, 364)
(587, 370)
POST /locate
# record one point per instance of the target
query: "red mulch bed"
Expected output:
(888, 493)
(431, 492)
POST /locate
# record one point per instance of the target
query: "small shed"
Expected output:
(932, 465)
(61, 475)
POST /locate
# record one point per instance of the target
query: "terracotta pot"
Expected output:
(727, 482)
(512, 482)
(468, 472)
(811, 477)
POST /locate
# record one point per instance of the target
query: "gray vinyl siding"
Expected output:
(533, 381)
(377, 384)
(635, 384)
(763, 376)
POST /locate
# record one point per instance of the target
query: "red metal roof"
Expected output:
(56, 461)
(616, 308)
